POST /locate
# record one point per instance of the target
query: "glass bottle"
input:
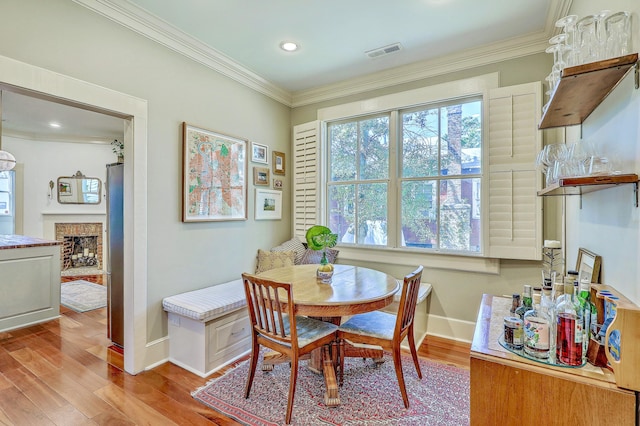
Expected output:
(536, 331)
(526, 302)
(569, 331)
(585, 307)
(547, 307)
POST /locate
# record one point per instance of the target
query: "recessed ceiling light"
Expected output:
(289, 46)
(54, 124)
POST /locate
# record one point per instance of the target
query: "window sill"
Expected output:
(428, 260)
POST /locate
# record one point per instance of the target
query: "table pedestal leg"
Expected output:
(331, 397)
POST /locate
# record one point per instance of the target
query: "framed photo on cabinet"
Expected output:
(214, 171)
(588, 266)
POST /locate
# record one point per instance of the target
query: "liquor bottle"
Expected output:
(585, 308)
(526, 302)
(547, 307)
(536, 331)
(569, 330)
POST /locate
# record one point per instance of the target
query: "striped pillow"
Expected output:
(294, 245)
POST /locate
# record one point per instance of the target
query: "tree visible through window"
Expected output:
(434, 191)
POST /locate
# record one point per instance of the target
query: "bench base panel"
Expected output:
(203, 348)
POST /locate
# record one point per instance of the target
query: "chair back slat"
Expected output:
(408, 300)
(271, 308)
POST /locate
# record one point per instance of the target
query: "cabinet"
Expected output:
(29, 281)
(509, 389)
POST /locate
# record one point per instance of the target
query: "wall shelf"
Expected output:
(582, 88)
(585, 184)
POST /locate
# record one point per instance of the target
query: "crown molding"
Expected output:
(158, 30)
(140, 21)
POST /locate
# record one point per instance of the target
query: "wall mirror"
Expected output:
(79, 189)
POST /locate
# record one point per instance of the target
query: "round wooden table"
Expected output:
(353, 290)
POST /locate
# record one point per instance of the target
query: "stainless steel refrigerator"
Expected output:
(115, 250)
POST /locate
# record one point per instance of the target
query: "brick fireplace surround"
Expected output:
(77, 230)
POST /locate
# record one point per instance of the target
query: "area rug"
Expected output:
(83, 296)
(370, 395)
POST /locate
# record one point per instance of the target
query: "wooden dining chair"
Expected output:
(387, 330)
(276, 326)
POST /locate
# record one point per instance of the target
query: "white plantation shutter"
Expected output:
(515, 210)
(306, 166)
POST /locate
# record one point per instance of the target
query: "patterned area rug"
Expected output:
(83, 296)
(370, 395)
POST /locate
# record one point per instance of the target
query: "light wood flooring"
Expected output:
(63, 373)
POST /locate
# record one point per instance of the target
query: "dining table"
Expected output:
(352, 290)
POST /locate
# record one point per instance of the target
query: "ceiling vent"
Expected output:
(382, 51)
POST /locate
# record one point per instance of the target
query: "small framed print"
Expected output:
(277, 184)
(588, 266)
(278, 163)
(268, 204)
(259, 153)
(261, 176)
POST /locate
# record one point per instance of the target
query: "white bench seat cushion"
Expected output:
(207, 303)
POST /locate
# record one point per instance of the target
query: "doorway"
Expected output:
(34, 81)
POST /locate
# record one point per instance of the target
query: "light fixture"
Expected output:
(7, 161)
(289, 46)
(54, 125)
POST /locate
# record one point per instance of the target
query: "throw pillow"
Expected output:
(294, 245)
(273, 259)
(314, 256)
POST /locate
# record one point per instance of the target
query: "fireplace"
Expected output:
(81, 245)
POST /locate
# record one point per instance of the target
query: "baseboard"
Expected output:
(156, 352)
(208, 373)
(450, 328)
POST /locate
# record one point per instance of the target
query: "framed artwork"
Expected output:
(278, 163)
(259, 153)
(214, 176)
(261, 176)
(268, 204)
(588, 266)
(277, 184)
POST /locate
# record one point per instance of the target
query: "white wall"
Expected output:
(45, 161)
(607, 223)
(67, 38)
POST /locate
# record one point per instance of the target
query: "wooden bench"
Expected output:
(208, 328)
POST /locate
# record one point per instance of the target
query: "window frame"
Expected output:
(394, 104)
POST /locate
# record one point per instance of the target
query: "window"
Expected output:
(409, 176)
(439, 148)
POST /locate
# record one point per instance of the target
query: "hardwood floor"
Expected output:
(62, 373)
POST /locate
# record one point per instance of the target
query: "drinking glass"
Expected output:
(601, 33)
(587, 44)
(568, 24)
(618, 30)
(558, 56)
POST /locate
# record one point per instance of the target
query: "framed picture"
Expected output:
(259, 153)
(278, 163)
(268, 204)
(214, 176)
(261, 176)
(277, 184)
(588, 266)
